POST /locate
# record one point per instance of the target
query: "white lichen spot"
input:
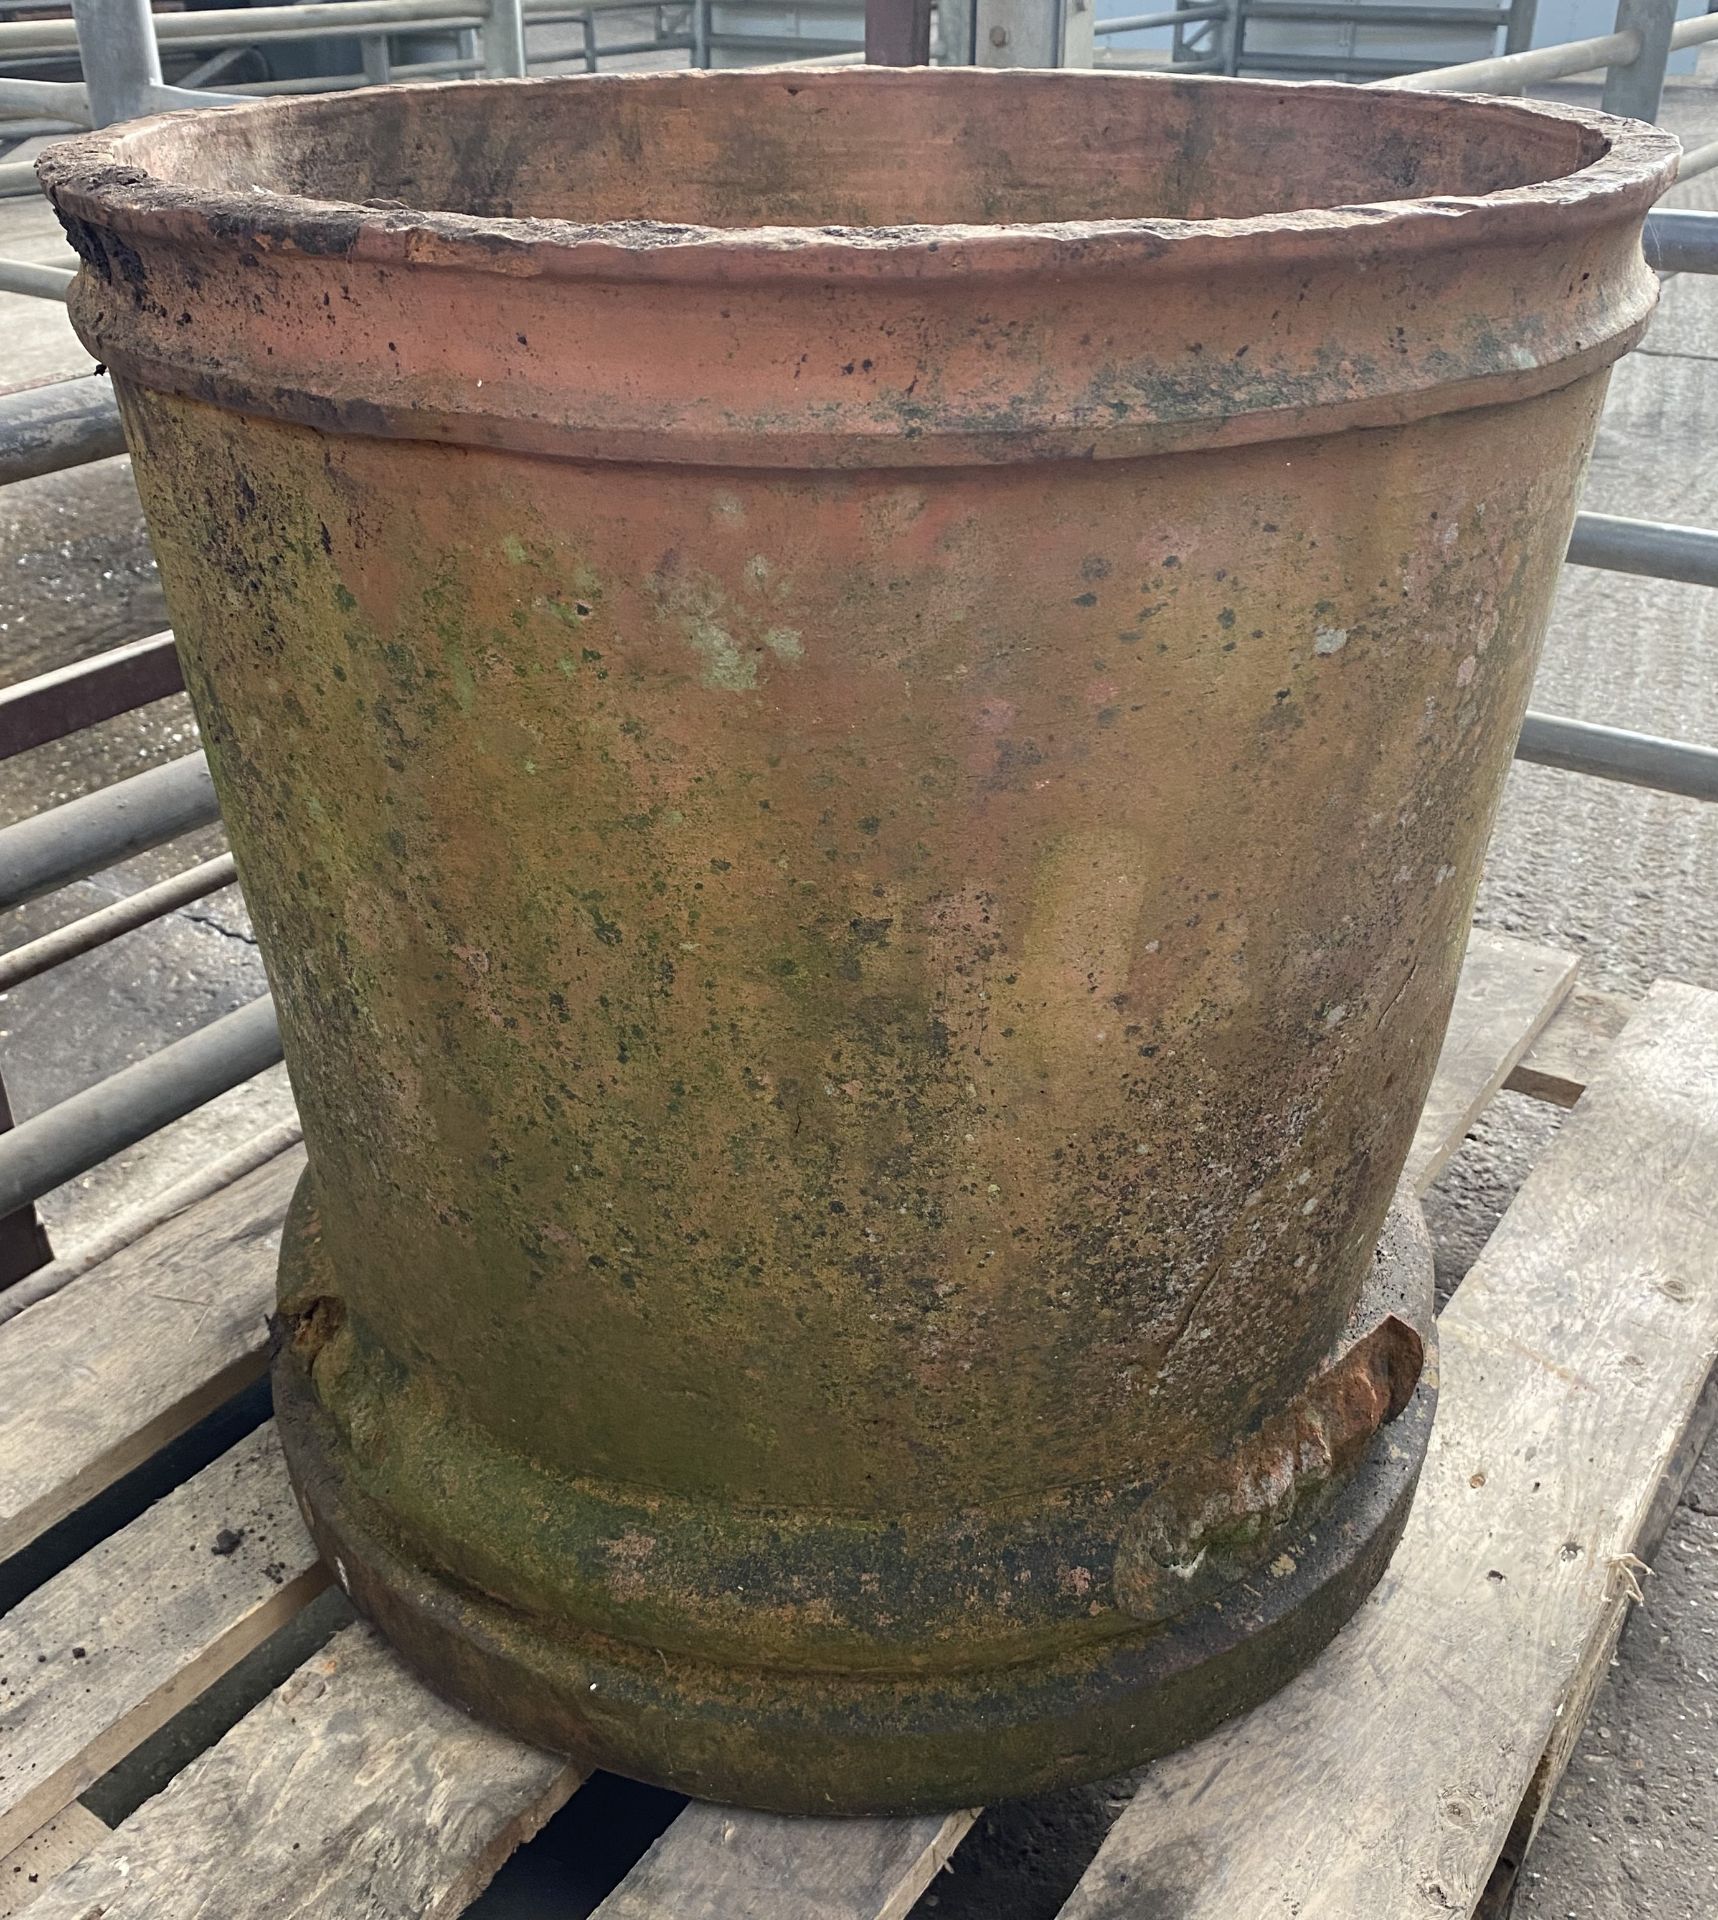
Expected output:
(1185, 1569)
(1329, 639)
(1465, 672)
(726, 506)
(1335, 1016)
(725, 664)
(785, 643)
(1282, 1566)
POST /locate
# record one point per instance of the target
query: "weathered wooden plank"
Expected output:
(350, 1792)
(1386, 1779)
(98, 1376)
(32, 1865)
(1560, 1750)
(1558, 1065)
(1509, 989)
(715, 1863)
(96, 1660)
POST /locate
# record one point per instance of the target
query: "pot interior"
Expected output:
(880, 149)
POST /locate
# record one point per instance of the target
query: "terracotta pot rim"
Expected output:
(94, 177)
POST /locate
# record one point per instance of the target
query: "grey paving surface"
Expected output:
(1628, 879)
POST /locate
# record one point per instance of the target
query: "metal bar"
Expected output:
(1691, 33)
(1698, 160)
(1345, 13)
(51, 1148)
(211, 69)
(1173, 16)
(1682, 240)
(1507, 71)
(760, 43)
(1518, 35)
(346, 82)
(71, 698)
(701, 33)
(96, 929)
(24, 1247)
(19, 177)
(897, 33)
(65, 99)
(1637, 89)
(377, 58)
(1613, 753)
(504, 55)
(1396, 70)
(63, 424)
(347, 18)
(40, 283)
(82, 837)
(1651, 547)
(121, 61)
(154, 1212)
(1151, 60)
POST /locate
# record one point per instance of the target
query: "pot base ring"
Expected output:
(815, 1742)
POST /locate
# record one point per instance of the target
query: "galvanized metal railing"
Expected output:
(51, 428)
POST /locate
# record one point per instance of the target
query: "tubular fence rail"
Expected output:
(51, 428)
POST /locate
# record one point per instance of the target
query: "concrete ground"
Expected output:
(1628, 879)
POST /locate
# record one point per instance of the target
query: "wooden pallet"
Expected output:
(1401, 1775)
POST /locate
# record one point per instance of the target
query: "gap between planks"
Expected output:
(351, 1791)
(98, 1658)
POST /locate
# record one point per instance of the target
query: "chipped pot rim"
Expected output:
(95, 177)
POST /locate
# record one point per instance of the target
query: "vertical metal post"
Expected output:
(23, 1241)
(1637, 89)
(701, 33)
(121, 62)
(898, 33)
(504, 40)
(1518, 33)
(954, 21)
(1032, 33)
(378, 66)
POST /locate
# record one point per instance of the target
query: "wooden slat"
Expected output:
(96, 1660)
(1386, 1779)
(1558, 1065)
(714, 1863)
(32, 1865)
(1509, 989)
(1596, 1662)
(350, 1793)
(96, 1378)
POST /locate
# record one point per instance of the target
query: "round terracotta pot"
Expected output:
(859, 711)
